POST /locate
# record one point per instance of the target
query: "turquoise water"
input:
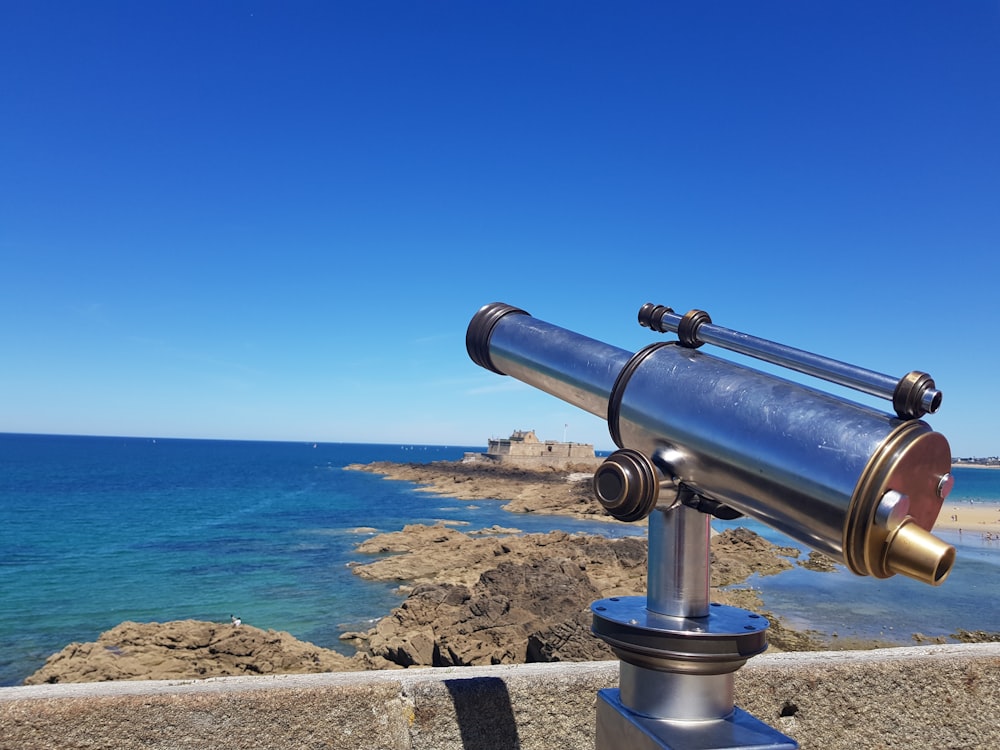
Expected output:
(94, 531)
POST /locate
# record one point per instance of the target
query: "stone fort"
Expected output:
(524, 448)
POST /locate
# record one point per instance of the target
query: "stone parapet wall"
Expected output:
(926, 697)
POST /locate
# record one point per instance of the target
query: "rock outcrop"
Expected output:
(474, 599)
(494, 596)
(551, 490)
(739, 553)
(531, 597)
(516, 613)
(187, 649)
(441, 554)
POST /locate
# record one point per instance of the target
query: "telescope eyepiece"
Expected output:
(916, 395)
(916, 553)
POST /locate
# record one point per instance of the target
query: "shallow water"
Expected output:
(893, 609)
(95, 531)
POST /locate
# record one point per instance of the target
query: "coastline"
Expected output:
(567, 492)
(451, 578)
(966, 517)
(491, 596)
(551, 490)
(459, 479)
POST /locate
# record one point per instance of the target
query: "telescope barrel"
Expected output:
(913, 396)
(859, 485)
(567, 365)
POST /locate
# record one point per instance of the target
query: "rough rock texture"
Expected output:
(516, 613)
(440, 554)
(819, 562)
(739, 553)
(532, 597)
(563, 490)
(976, 636)
(186, 649)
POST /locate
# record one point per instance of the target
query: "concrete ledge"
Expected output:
(927, 697)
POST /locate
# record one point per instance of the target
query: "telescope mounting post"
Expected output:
(679, 652)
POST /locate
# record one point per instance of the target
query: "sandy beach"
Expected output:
(982, 519)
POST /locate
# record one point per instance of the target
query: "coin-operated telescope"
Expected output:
(700, 436)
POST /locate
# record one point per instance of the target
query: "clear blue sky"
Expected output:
(274, 220)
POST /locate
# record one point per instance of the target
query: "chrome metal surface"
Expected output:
(892, 509)
(945, 485)
(782, 452)
(679, 576)
(677, 696)
(816, 365)
(789, 455)
(575, 368)
(716, 644)
(620, 729)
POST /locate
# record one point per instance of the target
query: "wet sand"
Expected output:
(984, 519)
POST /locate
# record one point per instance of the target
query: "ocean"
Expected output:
(98, 530)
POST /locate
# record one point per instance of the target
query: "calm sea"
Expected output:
(94, 531)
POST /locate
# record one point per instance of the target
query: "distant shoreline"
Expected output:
(963, 465)
(984, 517)
(546, 490)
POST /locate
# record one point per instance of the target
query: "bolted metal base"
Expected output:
(617, 727)
(716, 644)
(676, 683)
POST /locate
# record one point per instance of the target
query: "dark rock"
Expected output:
(739, 553)
(517, 612)
(976, 636)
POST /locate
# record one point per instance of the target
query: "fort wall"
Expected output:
(523, 448)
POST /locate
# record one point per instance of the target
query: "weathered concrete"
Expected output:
(926, 697)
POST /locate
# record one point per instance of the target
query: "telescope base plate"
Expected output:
(717, 644)
(618, 729)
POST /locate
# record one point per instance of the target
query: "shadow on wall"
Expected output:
(484, 713)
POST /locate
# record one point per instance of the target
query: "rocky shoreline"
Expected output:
(495, 596)
(492, 597)
(186, 650)
(560, 490)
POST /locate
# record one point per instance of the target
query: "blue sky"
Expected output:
(274, 220)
